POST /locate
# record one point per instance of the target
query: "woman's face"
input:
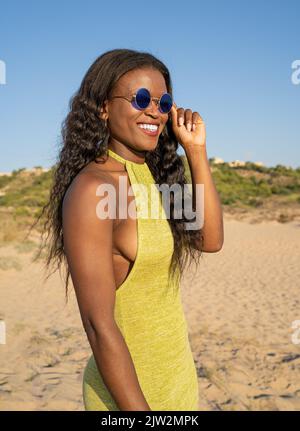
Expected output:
(123, 118)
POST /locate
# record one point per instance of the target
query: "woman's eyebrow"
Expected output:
(131, 92)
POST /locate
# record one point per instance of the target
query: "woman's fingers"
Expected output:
(183, 116)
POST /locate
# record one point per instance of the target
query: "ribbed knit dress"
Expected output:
(149, 313)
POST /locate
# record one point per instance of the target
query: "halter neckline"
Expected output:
(122, 160)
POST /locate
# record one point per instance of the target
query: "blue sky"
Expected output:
(230, 61)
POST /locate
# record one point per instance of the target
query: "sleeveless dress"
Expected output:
(149, 314)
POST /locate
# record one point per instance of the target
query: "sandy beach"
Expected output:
(240, 306)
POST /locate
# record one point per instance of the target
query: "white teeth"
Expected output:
(148, 126)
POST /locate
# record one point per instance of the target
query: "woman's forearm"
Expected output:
(115, 364)
(213, 230)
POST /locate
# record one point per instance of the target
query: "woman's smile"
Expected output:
(149, 129)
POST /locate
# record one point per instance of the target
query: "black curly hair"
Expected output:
(83, 130)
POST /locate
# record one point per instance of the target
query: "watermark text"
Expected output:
(2, 72)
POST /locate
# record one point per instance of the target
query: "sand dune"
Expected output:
(240, 306)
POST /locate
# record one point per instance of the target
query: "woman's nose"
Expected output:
(153, 107)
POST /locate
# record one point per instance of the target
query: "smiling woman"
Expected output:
(126, 271)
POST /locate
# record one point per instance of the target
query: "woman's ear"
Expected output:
(103, 111)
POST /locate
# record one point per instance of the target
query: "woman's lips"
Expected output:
(149, 132)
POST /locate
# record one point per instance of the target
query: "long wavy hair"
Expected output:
(85, 137)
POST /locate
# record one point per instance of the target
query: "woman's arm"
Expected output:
(88, 247)
(213, 230)
(193, 140)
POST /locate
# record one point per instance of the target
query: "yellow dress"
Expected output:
(149, 313)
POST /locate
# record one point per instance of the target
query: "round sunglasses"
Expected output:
(142, 98)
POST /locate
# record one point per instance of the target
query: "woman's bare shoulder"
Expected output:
(93, 175)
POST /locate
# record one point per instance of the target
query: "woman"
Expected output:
(126, 271)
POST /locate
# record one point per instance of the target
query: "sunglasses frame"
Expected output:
(135, 104)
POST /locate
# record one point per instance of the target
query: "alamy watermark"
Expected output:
(296, 333)
(2, 72)
(295, 77)
(2, 332)
(183, 205)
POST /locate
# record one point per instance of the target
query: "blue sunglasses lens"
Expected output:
(143, 99)
(166, 103)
